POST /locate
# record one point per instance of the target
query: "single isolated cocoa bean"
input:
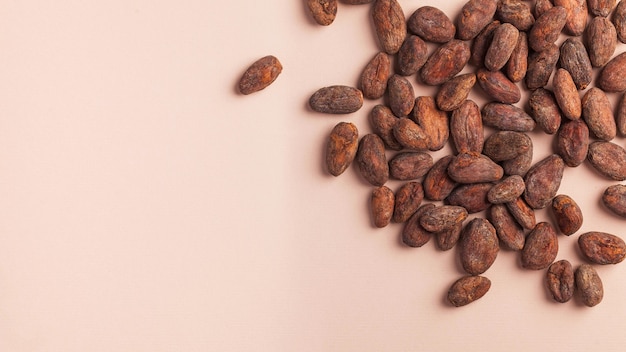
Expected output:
(468, 289)
(337, 99)
(609, 159)
(260, 75)
(602, 248)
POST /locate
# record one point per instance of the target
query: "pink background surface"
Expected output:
(146, 206)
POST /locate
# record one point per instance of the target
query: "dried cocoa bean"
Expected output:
(566, 94)
(410, 135)
(431, 24)
(560, 281)
(455, 91)
(374, 77)
(498, 87)
(507, 117)
(544, 110)
(411, 56)
(468, 289)
(474, 168)
(520, 164)
(598, 114)
(575, 60)
(613, 76)
(401, 95)
(541, 6)
(569, 217)
(517, 66)
(543, 181)
(433, 121)
(337, 99)
(541, 247)
(381, 206)
(410, 165)
(572, 142)
(372, 161)
(576, 15)
(502, 45)
(445, 62)
(260, 75)
(479, 246)
(408, 199)
(382, 121)
(509, 232)
(540, 67)
(515, 12)
(474, 16)
(341, 147)
(609, 159)
(601, 8)
(506, 145)
(602, 248)
(523, 214)
(589, 285)
(389, 25)
(481, 43)
(472, 197)
(466, 128)
(619, 20)
(413, 234)
(446, 240)
(323, 11)
(601, 41)
(614, 198)
(507, 190)
(443, 218)
(437, 184)
(547, 28)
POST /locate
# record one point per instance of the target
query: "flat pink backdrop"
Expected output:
(146, 206)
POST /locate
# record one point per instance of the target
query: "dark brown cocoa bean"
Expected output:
(401, 95)
(575, 60)
(443, 218)
(466, 128)
(609, 159)
(431, 24)
(445, 62)
(381, 206)
(601, 41)
(498, 87)
(468, 289)
(613, 76)
(506, 145)
(502, 45)
(382, 121)
(336, 99)
(433, 121)
(543, 181)
(341, 147)
(479, 246)
(472, 197)
(572, 142)
(560, 281)
(260, 75)
(545, 110)
(437, 184)
(323, 11)
(474, 16)
(569, 217)
(507, 117)
(540, 66)
(474, 168)
(602, 248)
(413, 234)
(547, 28)
(507, 190)
(509, 232)
(411, 56)
(619, 20)
(481, 43)
(566, 94)
(389, 25)
(517, 66)
(372, 161)
(598, 114)
(614, 198)
(455, 91)
(410, 165)
(408, 199)
(589, 285)
(375, 75)
(541, 247)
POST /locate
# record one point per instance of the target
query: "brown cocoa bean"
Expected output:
(506, 145)
(472, 197)
(382, 121)
(431, 24)
(523, 214)
(375, 75)
(389, 25)
(601, 41)
(437, 184)
(445, 62)
(540, 66)
(560, 281)
(468, 289)
(620, 115)
(515, 12)
(455, 91)
(337, 99)
(411, 56)
(543, 181)
(413, 234)
(576, 15)
(544, 110)
(410, 165)
(589, 285)
(466, 128)
(381, 206)
(341, 147)
(541, 247)
(401, 95)
(507, 190)
(479, 246)
(601, 8)
(542, 6)
(575, 60)
(602, 248)
(498, 87)
(410, 135)
(443, 218)
(323, 11)
(572, 142)
(474, 16)
(614, 198)
(507, 117)
(481, 43)
(433, 121)
(520, 164)
(502, 45)
(547, 28)
(517, 66)
(619, 20)
(566, 94)
(509, 232)
(613, 76)
(569, 217)
(474, 168)
(446, 240)
(371, 160)
(408, 199)
(260, 75)
(598, 114)
(609, 159)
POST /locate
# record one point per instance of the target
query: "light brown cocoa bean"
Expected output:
(516, 12)
(323, 11)
(446, 240)
(454, 92)
(619, 20)
(601, 8)
(602, 248)
(523, 214)
(466, 128)
(614, 199)
(474, 168)
(472, 197)
(413, 234)
(502, 45)
(577, 14)
(517, 66)
(547, 28)
(613, 76)
(541, 6)
(506, 190)
(474, 16)
(498, 86)
(341, 147)
(401, 95)
(433, 121)
(566, 94)
(260, 75)
(410, 135)
(589, 285)
(437, 184)
(382, 121)
(509, 232)
(468, 289)
(389, 25)
(431, 24)
(507, 117)
(598, 114)
(443, 218)
(609, 159)
(601, 41)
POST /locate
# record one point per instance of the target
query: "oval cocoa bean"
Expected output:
(572, 142)
(541, 247)
(507, 117)
(545, 110)
(474, 16)
(323, 11)
(412, 56)
(566, 94)
(602, 248)
(543, 181)
(589, 285)
(614, 198)
(455, 91)
(569, 217)
(472, 197)
(575, 59)
(445, 62)
(547, 28)
(413, 234)
(609, 159)
(498, 86)
(507, 190)
(433, 121)
(431, 24)
(408, 199)
(382, 121)
(598, 114)
(601, 41)
(468, 289)
(375, 75)
(260, 75)
(576, 15)
(410, 165)
(341, 147)
(613, 76)
(479, 246)
(510, 233)
(466, 128)
(336, 99)
(474, 168)
(389, 24)
(372, 161)
(443, 217)
(560, 281)
(437, 184)
(381, 206)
